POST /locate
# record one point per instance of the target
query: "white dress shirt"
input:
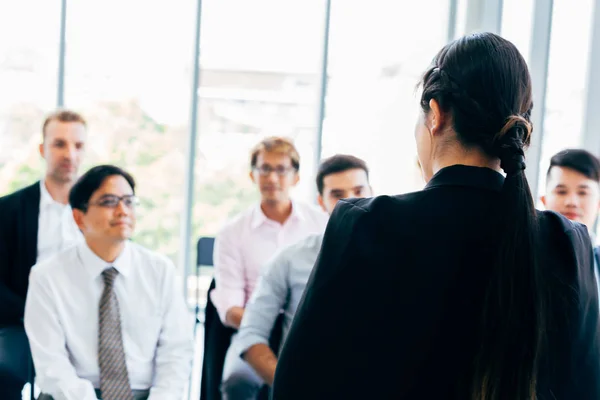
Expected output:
(61, 321)
(57, 229)
(248, 241)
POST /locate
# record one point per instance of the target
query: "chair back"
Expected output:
(205, 248)
(217, 338)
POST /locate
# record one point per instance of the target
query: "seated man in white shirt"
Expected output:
(283, 279)
(106, 319)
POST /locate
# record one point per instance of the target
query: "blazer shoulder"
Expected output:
(568, 247)
(554, 224)
(373, 204)
(364, 218)
(31, 191)
(385, 209)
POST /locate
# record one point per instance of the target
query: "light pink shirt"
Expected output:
(248, 241)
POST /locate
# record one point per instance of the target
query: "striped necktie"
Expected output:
(114, 379)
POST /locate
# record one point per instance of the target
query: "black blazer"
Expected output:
(19, 215)
(394, 301)
(217, 338)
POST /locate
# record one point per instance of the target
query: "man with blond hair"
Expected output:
(35, 223)
(251, 238)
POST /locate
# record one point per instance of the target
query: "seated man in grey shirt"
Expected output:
(283, 279)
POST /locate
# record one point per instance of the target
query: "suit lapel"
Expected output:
(30, 211)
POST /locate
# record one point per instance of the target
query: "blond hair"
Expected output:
(278, 145)
(63, 116)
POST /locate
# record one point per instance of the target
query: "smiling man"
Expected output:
(35, 223)
(106, 319)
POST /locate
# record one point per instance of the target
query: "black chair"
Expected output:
(31, 380)
(204, 257)
(217, 337)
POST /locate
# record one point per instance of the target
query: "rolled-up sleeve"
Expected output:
(229, 273)
(266, 302)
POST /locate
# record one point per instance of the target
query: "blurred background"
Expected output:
(178, 92)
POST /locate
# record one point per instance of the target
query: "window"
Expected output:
(260, 76)
(517, 24)
(130, 78)
(567, 72)
(376, 58)
(28, 78)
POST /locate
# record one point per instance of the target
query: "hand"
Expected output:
(234, 316)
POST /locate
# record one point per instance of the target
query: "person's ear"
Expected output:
(437, 117)
(543, 199)
(78, 218)
(42, 151)
(252, 177)
(321, 202)
(296, 178)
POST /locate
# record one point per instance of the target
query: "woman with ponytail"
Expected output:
(462, 290)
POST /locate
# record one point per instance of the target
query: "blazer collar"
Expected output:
(463, 175)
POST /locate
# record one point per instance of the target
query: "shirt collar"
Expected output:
(45, 197)
(462, 175)
(95, 265)
(258, 216)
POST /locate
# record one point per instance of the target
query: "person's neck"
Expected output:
(468, 157)
(277, 211)
(107, 251)
(57, 190)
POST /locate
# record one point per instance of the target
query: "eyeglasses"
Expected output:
(266, 170)
(112, 201)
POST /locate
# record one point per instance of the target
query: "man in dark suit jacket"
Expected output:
(573, 189)
(35, 223)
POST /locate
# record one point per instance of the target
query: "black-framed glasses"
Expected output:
(280, 170)
(112, 201)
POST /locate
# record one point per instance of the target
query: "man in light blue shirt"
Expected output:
(283, 279)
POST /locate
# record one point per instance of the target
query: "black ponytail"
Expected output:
(513, 319)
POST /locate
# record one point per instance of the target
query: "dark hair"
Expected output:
(579, 160)
(63, 115)
(483, 83)
(88, 183)
(338, 163)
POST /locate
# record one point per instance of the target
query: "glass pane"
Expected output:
(260, 76)
(517, 24)
(29, 48)
(131, 79)
(567, 72)
(461, 18)
(377, 55)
